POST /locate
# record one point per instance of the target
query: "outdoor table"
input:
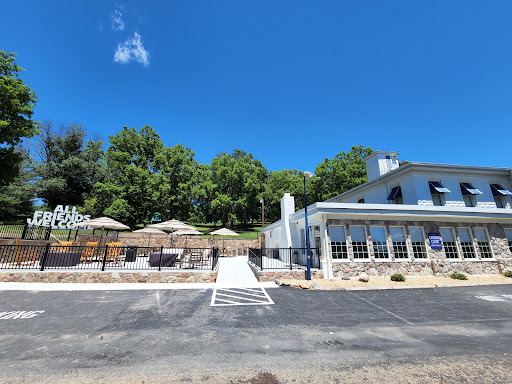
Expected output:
(168, 259)
(62, 259)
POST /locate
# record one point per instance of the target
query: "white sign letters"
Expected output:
(62, 217)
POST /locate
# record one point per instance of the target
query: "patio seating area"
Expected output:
(113, 256)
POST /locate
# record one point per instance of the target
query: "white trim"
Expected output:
(459, 257)
(490, 245)
(386, 234)
(425, 242)
(405, 239)
(352, 243)
(459, 244)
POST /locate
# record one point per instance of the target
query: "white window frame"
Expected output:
(425, 242)
(459, 252)
(408, 258)
(351, 253)
(506, 238)
(340, 259)
(493, 255)
(459, 243)
(386, 235)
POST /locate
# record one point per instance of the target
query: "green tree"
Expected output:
(237, 181)
(17, 101)
(344, 172)
(16, 199)
(131, 190)
(69, 165)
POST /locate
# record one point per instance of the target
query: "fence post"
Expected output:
(48, 233)
(213, 258)
(45, 256)
(104, 258)
(76, 233)
(25, 228)
(160, 260)
(69, 234)
(291, 265)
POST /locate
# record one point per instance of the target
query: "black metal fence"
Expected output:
(34, 232)
(91, 257)
(283, 258)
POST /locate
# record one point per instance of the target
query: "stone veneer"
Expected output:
(272, 275)
(109, 277)
(436, 265)
(230, 246)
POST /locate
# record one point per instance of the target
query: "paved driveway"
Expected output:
(418, 335)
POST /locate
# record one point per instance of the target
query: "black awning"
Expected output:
(468, 189)
(498, 190)
(436, 187)
(395, 193)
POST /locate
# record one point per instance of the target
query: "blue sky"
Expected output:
(292, 82)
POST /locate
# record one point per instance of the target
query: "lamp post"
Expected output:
(262, 212)
(307, 174)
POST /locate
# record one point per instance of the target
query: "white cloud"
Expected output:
(132, 49)
(117, 22)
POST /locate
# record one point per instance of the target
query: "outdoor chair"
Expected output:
(89, 251)
(114, 252)
(64, 246)
(192, 257)
(24, 255)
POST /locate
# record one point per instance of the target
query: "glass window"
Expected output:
(450, 246)
(483, 243)
(469, 200)
(437, 199)
(419, 248)
(508, 234)
(466, 243)
(338, 242)
(316, 233)
(498, 190)
(399, 243)
(395, 196)
(500, 201)
(302, 238)
(361, 201)
(380, 245)
(359, 244)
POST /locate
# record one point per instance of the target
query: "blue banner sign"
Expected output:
(436, 242)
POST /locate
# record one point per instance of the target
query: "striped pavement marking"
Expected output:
(223, 297)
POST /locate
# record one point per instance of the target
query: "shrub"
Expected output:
(397, 277)
(508, 274)
(458, 276)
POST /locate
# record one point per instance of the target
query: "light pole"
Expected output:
(262, 212)
(307, 174)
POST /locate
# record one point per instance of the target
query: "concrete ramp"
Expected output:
(235, 272)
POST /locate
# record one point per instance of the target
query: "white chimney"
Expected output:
(381, 162)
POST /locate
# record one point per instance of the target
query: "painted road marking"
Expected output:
(240, 296)
(19, 315)
(506, 298)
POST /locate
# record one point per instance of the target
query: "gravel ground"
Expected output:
(385, 282)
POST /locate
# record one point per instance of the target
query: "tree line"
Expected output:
(137, 176)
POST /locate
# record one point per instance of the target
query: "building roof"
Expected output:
(425, 167)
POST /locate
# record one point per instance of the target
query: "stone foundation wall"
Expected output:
(228, 247)
(269, 275)
(437, 263)
(109, 277)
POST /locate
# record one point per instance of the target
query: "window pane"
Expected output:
(508, 234)
(416, 234)
(480, 234)
(436, 199)
(464, 235)
(447, 234)
(378, 234)
(468, 201)
(357, 233)
(397, 234)
(337, 234)
(499, 202)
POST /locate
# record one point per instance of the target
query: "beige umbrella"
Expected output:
(102, 222)
(187, 232)
(172, 226)
(150, 231)
(224, 232)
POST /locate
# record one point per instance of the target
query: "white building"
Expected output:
(383, 226)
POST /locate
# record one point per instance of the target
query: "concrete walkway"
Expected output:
(235, 272)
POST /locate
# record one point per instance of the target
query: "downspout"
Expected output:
(326, 254)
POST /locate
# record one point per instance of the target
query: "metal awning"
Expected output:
(436, 187)
(395, 193)
(498, 190)
(468, 189)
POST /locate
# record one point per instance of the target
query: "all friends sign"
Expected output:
(62, 217)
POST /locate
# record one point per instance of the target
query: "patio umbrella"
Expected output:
(224, 232)
(171, 226)
(102, 222)
(150, 231)
(187, 232)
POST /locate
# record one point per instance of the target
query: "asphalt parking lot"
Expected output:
(305, 336)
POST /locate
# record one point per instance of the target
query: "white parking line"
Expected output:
(238, 296)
